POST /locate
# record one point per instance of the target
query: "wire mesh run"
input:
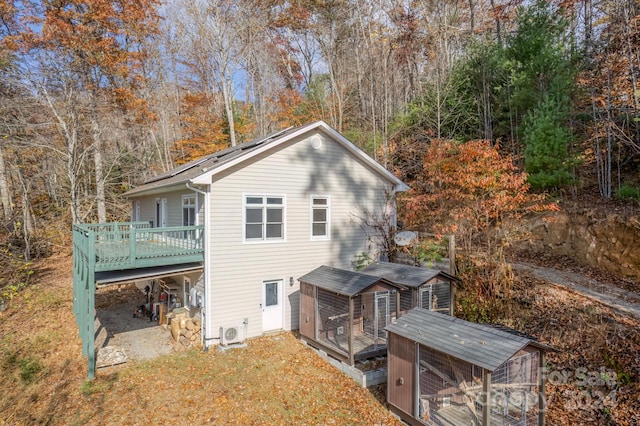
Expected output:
(436, 297)
(433, 297)
(372, 312)
(451, 390)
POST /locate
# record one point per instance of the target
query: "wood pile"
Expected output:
(114, 295)
(185, 330)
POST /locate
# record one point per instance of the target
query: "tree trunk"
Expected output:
(228, 107)
(99, 171)
(27, 218)
(5, 194)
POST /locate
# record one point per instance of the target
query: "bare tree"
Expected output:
(208, 34)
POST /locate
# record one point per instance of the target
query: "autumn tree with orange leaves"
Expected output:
(85, 64)
(468, 190)
(464, 189)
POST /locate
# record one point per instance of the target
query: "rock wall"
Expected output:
(609, 241)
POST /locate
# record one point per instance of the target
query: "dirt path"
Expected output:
(605, 293)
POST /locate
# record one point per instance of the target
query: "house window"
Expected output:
(264, 218)
(319, 217)
(161, 212)
(188, 210)
(136, 217)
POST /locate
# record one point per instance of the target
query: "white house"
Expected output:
(273, 209)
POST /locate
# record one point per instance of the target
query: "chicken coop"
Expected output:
(345, 313)
(445, 371)
(426, 288)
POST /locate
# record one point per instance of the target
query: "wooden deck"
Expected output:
(117, 246)
(136, 245)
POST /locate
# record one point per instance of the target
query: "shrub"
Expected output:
(628, 192)
(29, 369)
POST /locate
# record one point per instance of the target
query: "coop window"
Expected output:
(264, 218)
(320, 217)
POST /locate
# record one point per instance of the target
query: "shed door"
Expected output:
(272, 305)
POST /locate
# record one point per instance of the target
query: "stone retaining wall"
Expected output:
(609, 241)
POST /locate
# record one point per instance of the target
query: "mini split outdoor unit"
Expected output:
(231, 335)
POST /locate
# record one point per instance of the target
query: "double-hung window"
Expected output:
(264, 218)
(320, 217)
(189, 214)
(188, 210)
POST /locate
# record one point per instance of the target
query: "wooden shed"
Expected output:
(345, 313)
(446, 371)
(426, 288)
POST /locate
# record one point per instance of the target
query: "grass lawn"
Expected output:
(274, 380)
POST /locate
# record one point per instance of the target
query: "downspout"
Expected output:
(203, 310)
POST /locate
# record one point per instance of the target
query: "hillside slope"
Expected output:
(593, 376)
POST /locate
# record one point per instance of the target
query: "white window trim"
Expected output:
(264, 240)
(163, 220)
(319, 237)
(195, 207)
(136, 211)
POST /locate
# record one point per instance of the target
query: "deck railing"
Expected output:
(114, 246)
(128, 245)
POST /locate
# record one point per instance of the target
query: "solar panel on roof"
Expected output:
(217, 155)
(275, 135)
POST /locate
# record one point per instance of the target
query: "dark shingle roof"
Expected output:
(484, 346)
(210, 164)
(188, 171)
(341, 281)
(407, 275)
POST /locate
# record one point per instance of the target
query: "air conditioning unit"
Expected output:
(231, 335)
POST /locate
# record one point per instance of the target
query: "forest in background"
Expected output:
(480, 100)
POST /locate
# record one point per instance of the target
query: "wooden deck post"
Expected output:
(486, 399)
(351, 311)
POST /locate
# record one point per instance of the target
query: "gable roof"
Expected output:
(341, 281)
(481, 345)
(200, 171)
(407, 275)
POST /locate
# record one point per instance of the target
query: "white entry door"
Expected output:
(272, 305)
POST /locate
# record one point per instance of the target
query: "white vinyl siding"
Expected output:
(320, 217)
(238, 269)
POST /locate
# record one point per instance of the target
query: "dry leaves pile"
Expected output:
(274, 380)
(593, 376)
